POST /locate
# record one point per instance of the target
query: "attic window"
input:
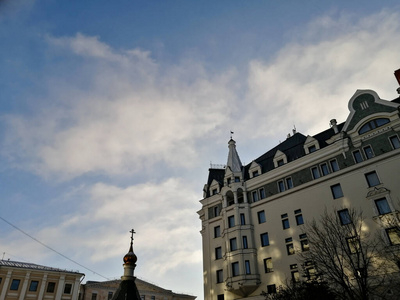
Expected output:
(214, 191)
(281, 162)
(373, 124)
(237, 179)
(312, 149)
(255, 173)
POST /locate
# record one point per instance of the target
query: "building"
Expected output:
(20, 280)
(252, 216)
(128, 287)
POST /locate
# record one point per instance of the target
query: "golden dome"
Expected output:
(130, 257)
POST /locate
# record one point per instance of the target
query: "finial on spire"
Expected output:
(232, 133)
(132, 232)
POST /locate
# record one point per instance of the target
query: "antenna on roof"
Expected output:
(294, 129)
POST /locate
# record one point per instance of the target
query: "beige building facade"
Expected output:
(253, 216)
(20, 280)
(105, 290)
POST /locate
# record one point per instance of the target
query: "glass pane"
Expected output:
(383, 206)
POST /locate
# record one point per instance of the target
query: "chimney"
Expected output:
(333, 124)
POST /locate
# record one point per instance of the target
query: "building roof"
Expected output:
(31, 266)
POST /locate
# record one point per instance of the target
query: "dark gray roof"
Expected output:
(25, 265)
(127, 290)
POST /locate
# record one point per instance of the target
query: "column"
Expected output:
(24, 287)
(5, 285)
(60, 287)
(42, 287)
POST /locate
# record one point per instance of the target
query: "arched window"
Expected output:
(375, 123)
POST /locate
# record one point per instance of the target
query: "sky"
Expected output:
(112, 111)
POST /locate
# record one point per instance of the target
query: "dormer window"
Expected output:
(312, 149)
(255, 173)
(280, 159)
(280, 162)
(214, 191)
(373, 124)
(311, 145)
(237, 179)
(228, 181)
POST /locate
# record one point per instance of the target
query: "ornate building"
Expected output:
(252, 216)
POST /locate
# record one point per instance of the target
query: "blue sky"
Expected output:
(111, 111)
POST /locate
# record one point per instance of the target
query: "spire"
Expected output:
(233, 157)
(127, 289)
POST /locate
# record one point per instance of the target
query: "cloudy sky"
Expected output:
(111, 112)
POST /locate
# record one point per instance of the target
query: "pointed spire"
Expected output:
(233, 157)
(129, 261)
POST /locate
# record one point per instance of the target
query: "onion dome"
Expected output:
(130, 258)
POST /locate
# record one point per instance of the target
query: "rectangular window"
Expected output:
(354, 244)
(15, 284)
(324, 169)
(382, 206)
(310, 274)
(221, 297)
(312, 149)
(357, 156)
(334, 165)
(220, 276)
(237, 179)
(67, 288)
(233, 244)
(280, 162)
(110, 295)
(393, 235)
(394, 140)
(295, 276)
(247, 266)
(290, 249)
(268, 265)
(271, 289)
(299, 217)
(262, 193)
(218, 253)
(228, 181)
(304, 242)
(289, 183)
(245, 244)
(344, 216)
(261, 217)
(51, 287)
(285, 221)
(231, 221)
(217, 231)
(372, 179)
(94, 296)
(254, 196)
(336, 191)
(315, 172)
(368, 152)
(214, 191)
(235, 269)
(242, 219)
(216, 211)
(255, 173)
(281, 186)
(264, 239)
(33, 286)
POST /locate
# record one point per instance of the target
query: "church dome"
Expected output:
(130, 257)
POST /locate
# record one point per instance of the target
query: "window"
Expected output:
(264, 239)
(262, 193)
(368, 152)
(394, 140)
(271, 289)
(142, 297)
(110, 294)
(214, 191)
(304, 242)
(231, 221)
(290, 249)
(373, 124)
(33, 286)
(310, 273)
(245, 244)
(218, 253)
(354, 244)
(312, 149)
(268, 265)
(289, 183)
(51, 287)
(233, 244)
(94, 296)
(280, 162)
(247, 266)
(217, 231)
(393, 235)
(281, 186)
(235, 269)
(357, 156)
(67, 288)
(315, 172)
(285, 221)
(344, 216)
(324, 169)
(334, 165)
(15, 284)
(372, 179)
(299, 217)
(153, 297)
(254, 196)
(382, 206)
(220, 276)
(237, 179)
(336, 191)
(242, 219)
(220, 297)
(255, 173)
(216, 211)
(261, 217)
(295, 276)
(228, 181)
